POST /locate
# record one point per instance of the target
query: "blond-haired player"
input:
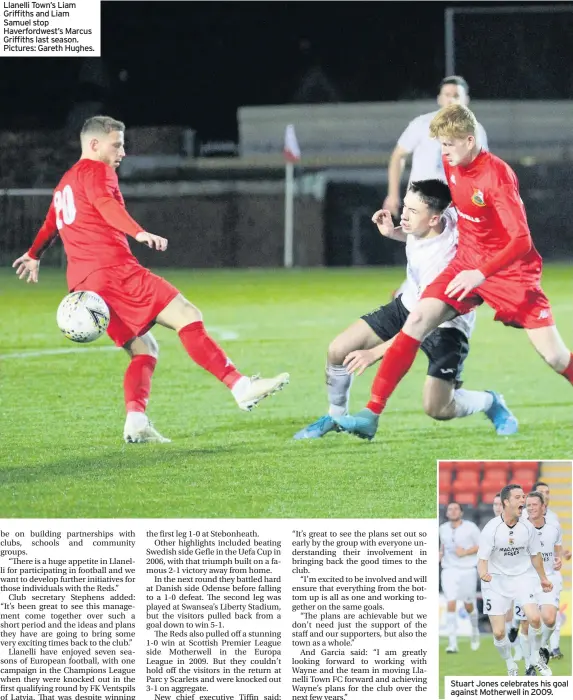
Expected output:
(496, 262)
(415, 140)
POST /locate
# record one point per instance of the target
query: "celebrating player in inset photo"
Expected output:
(510, 566)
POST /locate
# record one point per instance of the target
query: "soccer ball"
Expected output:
(82, 316)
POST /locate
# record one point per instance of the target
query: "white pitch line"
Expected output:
(221, 333)
(56, 351)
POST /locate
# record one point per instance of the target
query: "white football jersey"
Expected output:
(508, 550)
(549, 535)
(426, 259)
(427, 152)
(466, 535)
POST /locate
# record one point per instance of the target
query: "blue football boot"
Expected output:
(364, 424)
(504, 422)
(317, 429)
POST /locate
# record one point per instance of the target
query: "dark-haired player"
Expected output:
(429, 230)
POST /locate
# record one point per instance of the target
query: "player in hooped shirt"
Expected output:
(429, 229)
(496, 262)
(89, 214)
(510, 567)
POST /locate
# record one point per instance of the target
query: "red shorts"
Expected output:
(517, 303)
(135, 297)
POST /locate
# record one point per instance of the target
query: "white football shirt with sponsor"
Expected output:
(466, 535)
(549, 535)
(427, 152)
(508, 550)
(426, 258)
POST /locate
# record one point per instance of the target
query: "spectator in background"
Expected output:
(426, 152)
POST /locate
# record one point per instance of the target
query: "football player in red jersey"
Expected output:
(496, 262)
(88, 212)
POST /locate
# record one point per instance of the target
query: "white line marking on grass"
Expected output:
(221, 333)
(56, 351)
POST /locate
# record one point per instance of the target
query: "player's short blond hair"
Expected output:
(101, 125)
(454, 122)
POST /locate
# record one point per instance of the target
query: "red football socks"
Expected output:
(137, 382)
(395, 363)
(207, 354)
(568, 371)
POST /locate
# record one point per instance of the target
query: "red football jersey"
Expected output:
(493, 230)
(88, 211)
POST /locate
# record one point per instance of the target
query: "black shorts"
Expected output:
(445, 348)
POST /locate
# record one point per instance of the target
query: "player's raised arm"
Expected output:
(383, 220)
(511, 213)
(396, 167)
(28, 265)
(100, 185)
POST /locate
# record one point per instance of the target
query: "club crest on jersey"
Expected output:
(477, 198)
(511, 540)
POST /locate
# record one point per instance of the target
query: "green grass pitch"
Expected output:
(62, 455)
(487, 662)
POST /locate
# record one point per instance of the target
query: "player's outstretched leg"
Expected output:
(181, 316)
(338, 383)
(504, 422)
(398, 359)
(137, 388)
(553, 350)
(443, 402)
(358, 336)
(501, 643)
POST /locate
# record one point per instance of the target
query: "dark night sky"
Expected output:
(194, 63)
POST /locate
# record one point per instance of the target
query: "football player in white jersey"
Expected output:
(459, 541)
(510, 566)
(426, 152)
(551, 517)
(551, 546)
(429, 229)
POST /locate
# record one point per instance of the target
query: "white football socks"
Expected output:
(338, 383)
(470, 402)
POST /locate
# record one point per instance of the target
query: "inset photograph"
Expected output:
(505, 568)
